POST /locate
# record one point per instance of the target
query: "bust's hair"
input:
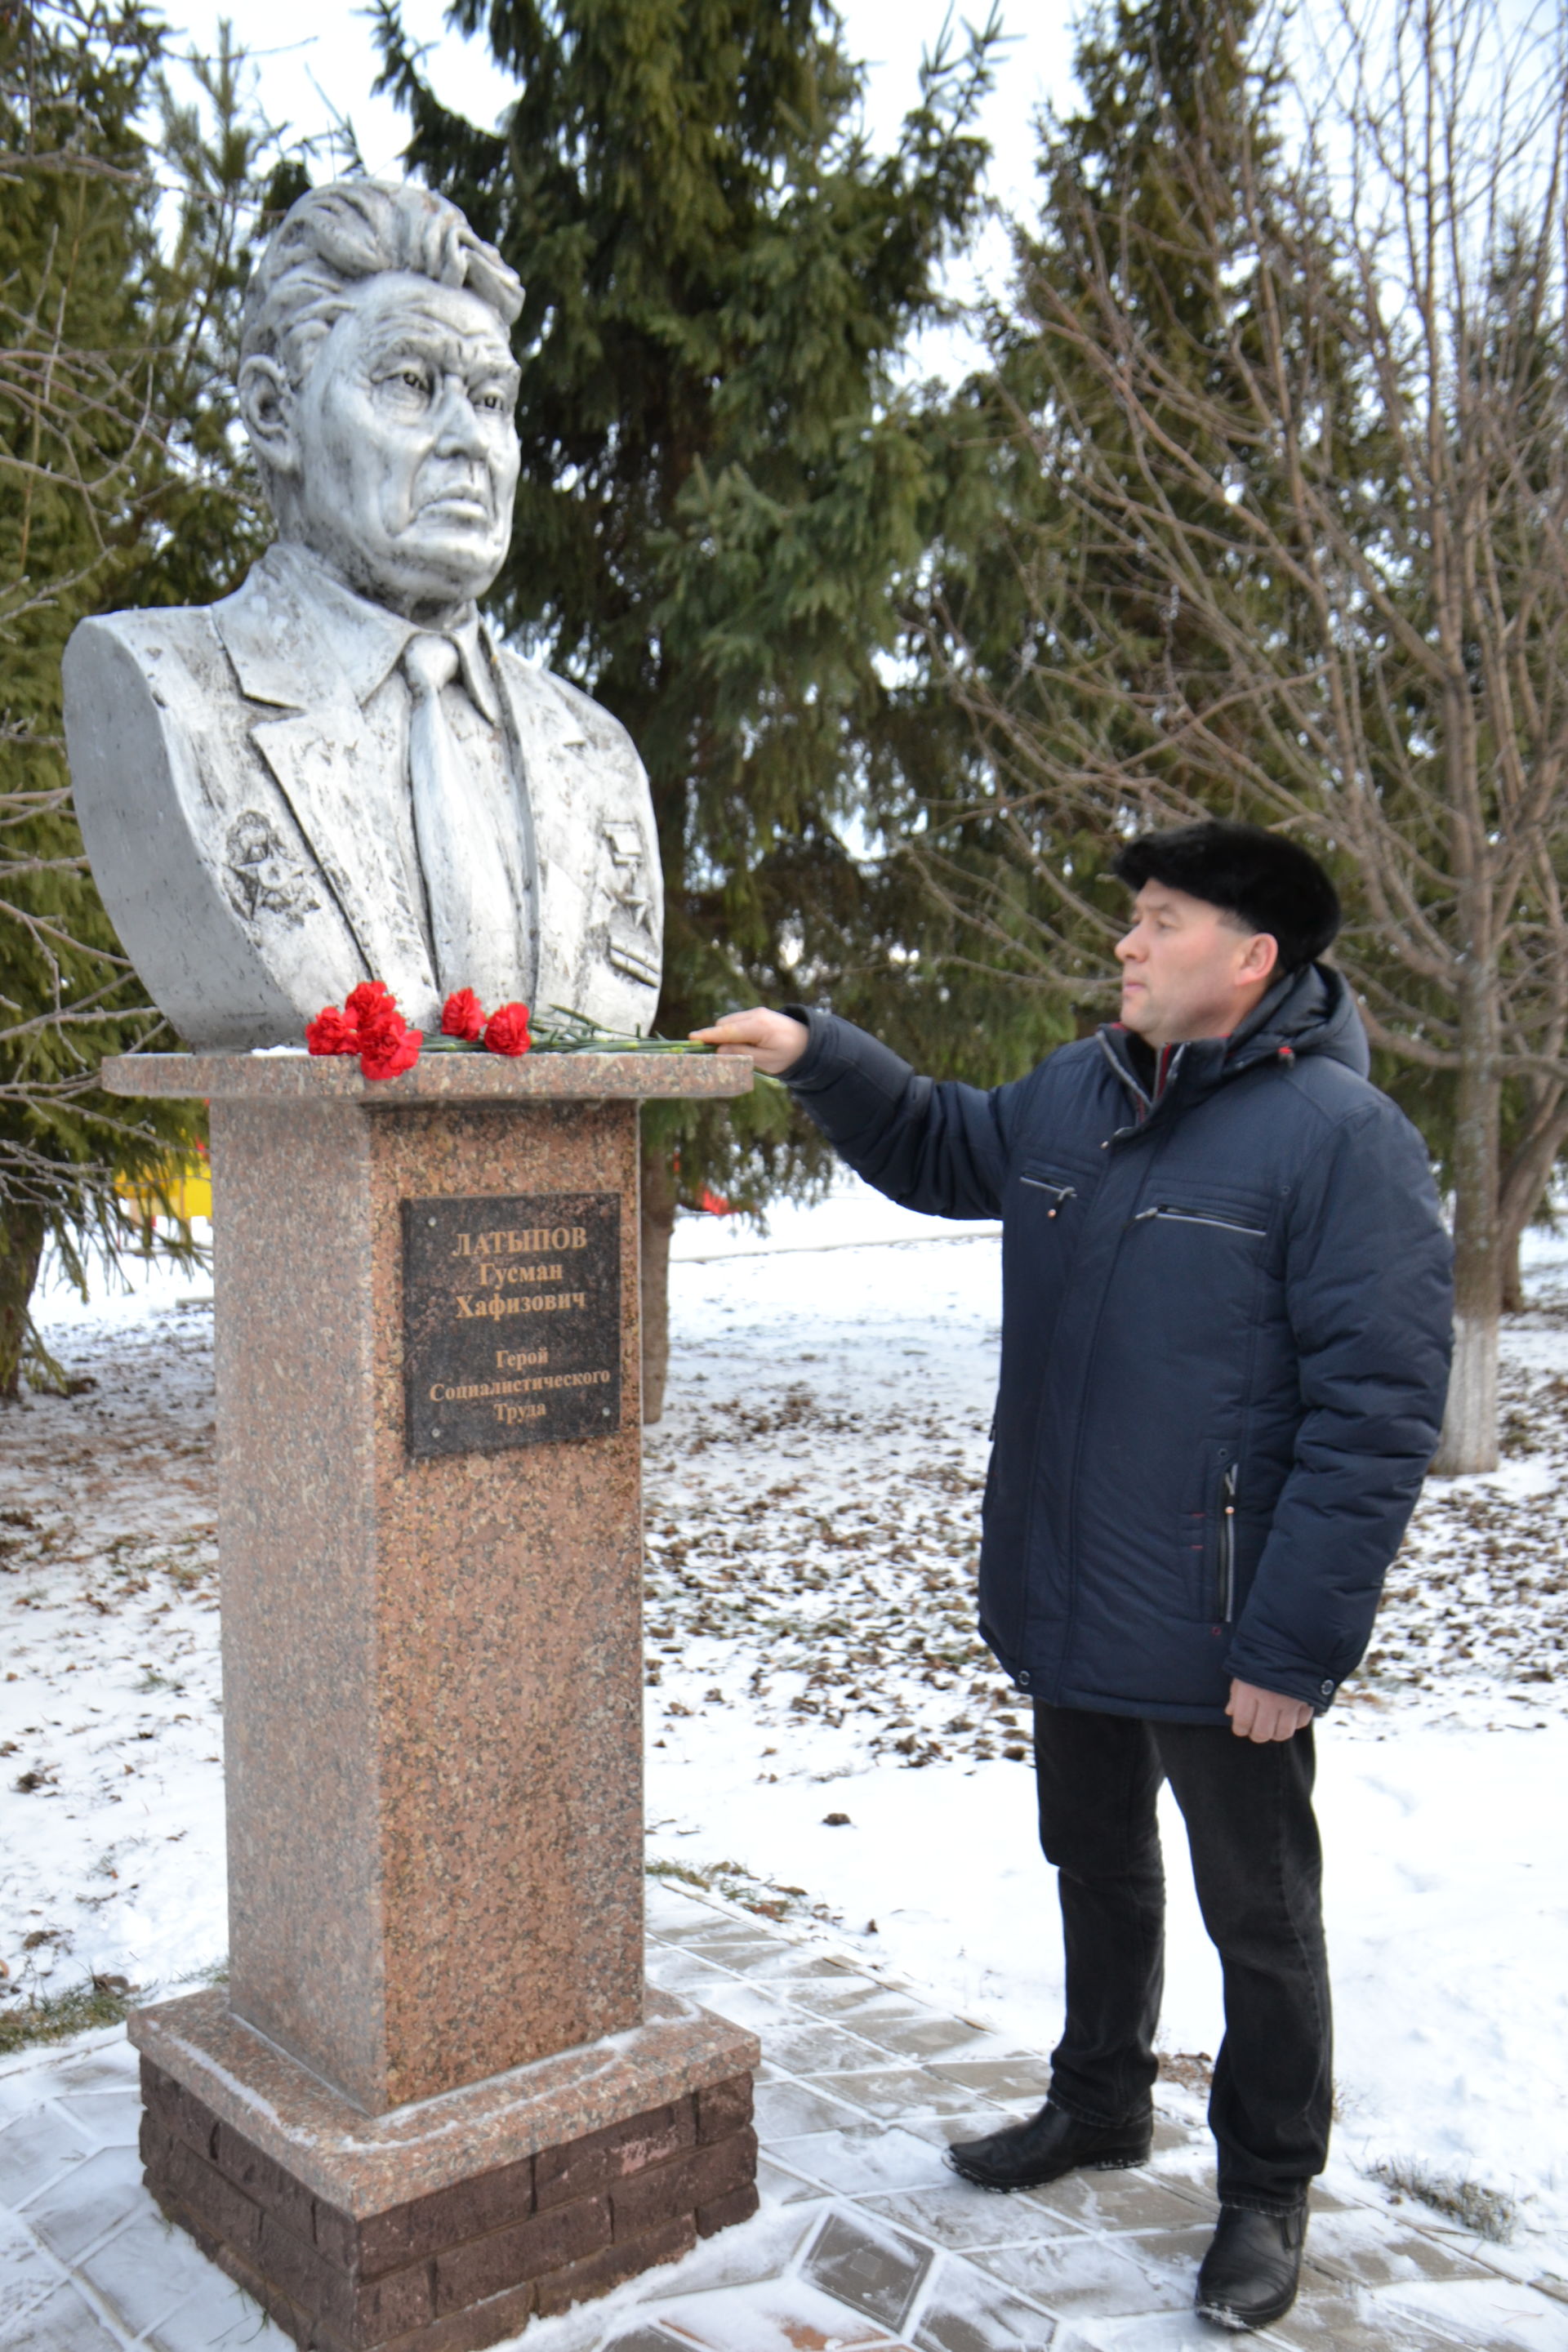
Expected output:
(334, 237)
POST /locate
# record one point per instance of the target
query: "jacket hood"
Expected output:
(1310, 1012)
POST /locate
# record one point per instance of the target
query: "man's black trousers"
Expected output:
(1258, 1866)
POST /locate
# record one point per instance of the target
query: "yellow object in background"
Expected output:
(186, 1192)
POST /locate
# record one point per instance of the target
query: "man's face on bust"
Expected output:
(405, 454)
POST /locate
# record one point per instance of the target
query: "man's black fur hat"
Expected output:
(1271, 883)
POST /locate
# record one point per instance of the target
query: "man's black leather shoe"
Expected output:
(1025, 2156)
(1252, 2270)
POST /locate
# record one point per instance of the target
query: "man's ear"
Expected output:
(266, 405)
(1261, 959)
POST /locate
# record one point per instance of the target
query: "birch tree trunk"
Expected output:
(1469, 1439)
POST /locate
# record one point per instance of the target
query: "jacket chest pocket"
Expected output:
(1204, 1250)
(1245, 1222)
(1046, 1191)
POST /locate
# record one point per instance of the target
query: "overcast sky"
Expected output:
(313, 60)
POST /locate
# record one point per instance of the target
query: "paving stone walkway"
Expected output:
(865, 2242)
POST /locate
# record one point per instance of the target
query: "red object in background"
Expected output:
(713, 1204)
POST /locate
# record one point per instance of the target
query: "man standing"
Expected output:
(1225, 1344)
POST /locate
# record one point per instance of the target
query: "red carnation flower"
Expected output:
(370, 1025)
(393, 1048)
(462, 1015)
(382, 1022)
(387, 1044)
(331, 1033)
(377, 1015)
(507, 1031)
(368, 998)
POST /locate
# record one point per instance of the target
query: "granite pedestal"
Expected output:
(435, 2096)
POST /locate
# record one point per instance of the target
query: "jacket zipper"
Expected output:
(1193, 1217)
(1142, 1104)
(1069, 1630)
(1227, 1544)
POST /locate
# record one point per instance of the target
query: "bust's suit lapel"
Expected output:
(324, 759)
(318, 758)
(557, 898)
(597, 902)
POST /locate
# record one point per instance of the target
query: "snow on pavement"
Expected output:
(812, 1517)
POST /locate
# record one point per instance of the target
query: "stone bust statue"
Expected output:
(337, 773)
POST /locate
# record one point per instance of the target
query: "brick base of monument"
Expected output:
(464, 2264)
(469, 2264)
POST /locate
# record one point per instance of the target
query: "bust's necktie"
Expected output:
(473, 921)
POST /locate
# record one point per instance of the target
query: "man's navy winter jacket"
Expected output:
(1225, 1343)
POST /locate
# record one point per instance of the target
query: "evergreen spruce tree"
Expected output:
(726, 500)
(1046, 629)
(118, 484)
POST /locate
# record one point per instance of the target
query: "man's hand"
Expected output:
(773, 1041)
(1264, 1715)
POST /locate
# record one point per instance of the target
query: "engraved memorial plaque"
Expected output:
(511, 1320)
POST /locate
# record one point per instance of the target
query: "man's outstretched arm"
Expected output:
(775, 1042)
(937, 1147)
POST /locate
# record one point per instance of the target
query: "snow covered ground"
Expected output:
(828, 1743)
